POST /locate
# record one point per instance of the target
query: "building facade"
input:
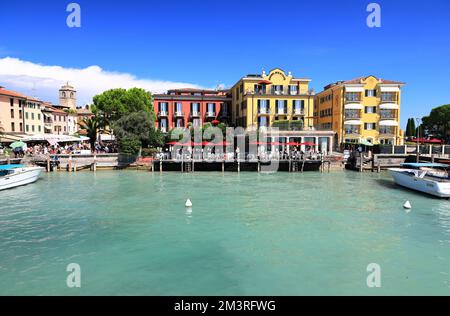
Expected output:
(12, 106)
(261, 100)
(68, 97)
(34, 122)
(184, 107)
(363, 109)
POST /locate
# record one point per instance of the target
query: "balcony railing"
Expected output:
(263, 111)
(352, 132)
(163, 113)
(211, 114)
(195, 114)
(298, 112)
(281, 112)
(272, 92)
(387, 131)
(387, 115)
(353, 100)
(179, 114)
(352, 115)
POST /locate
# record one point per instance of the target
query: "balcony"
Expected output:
(211, 114)
(352, 132)
(353, 100)
(387, 132)
(388, 115)
(273, 92)
(195, 113)
(352, 115)
(263, 112)
(298, 112)
(163, 113)
(178, 114)
(281, 112)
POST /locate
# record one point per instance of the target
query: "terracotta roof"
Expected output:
(358, 81)
(12, 93)
(193, 90)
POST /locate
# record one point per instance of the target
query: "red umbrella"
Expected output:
(215, 122)
(258, 143)
(276, 144)
(308, 144)
(172, 143)
(292, 144)
(265, 82)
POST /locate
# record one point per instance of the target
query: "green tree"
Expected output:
(437, 123)
(111, 105)
(136, 130)
(90, 125)
(410, 128)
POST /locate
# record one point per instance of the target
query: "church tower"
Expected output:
(68, 96)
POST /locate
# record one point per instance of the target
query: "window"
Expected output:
(277, 89)
(26, 115)
(32, 128)
(371, 93)
(298, 105)
(352, 96)
(13, 127)
(32, 116)
(211, 107)
(39, 128)
(195, 108)
(21, 127)
(179, 107)
(27, 128)
(369, 126)
(39, 116)
(11, 102)
(293, 89)
(370, 109)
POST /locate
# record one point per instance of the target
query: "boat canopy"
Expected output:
(9, 167)
(426, 165)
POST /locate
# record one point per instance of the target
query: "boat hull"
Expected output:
(436, 188)
(20, 177)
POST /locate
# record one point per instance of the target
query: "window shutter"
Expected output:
(367, 93)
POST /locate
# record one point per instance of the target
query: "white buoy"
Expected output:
(407, 205)
(188, 203)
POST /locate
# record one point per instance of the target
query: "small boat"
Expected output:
(12, 176)
(430, 178)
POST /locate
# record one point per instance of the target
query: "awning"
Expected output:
(388, 123)
(265, 82)
(354, 106)
(51, 138)
(389, 106)
(389, 89)
(353, 122)
(354, 89)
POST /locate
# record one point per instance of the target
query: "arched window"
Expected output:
(63, 94)
(71, 95)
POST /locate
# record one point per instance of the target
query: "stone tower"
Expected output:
(68, 96)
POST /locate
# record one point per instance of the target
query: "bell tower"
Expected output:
(68, 96)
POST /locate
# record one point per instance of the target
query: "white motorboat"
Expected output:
(430, 178)
(12, 176)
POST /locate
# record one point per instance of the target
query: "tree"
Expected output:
(437, 123)
(136, 130)
(90, 125)
(410, 128)
(113, 104)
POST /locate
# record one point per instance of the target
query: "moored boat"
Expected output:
(12, 176)
(429, 178)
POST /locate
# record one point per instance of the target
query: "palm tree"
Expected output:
(90, 125)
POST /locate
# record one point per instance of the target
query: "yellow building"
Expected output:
(365, 109)
(260, 100)
(34, 121)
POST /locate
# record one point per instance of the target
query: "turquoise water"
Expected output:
(248, 234)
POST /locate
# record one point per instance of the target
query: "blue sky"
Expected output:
(207, 43)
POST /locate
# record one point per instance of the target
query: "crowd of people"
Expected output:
(38, 149)
(208, 153)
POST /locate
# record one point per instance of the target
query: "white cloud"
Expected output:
(43, 81)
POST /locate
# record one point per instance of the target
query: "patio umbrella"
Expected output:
(292, 144)
(366, 143)
(276, 144)
(18, 144)
(308, 144)
(172, 143)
